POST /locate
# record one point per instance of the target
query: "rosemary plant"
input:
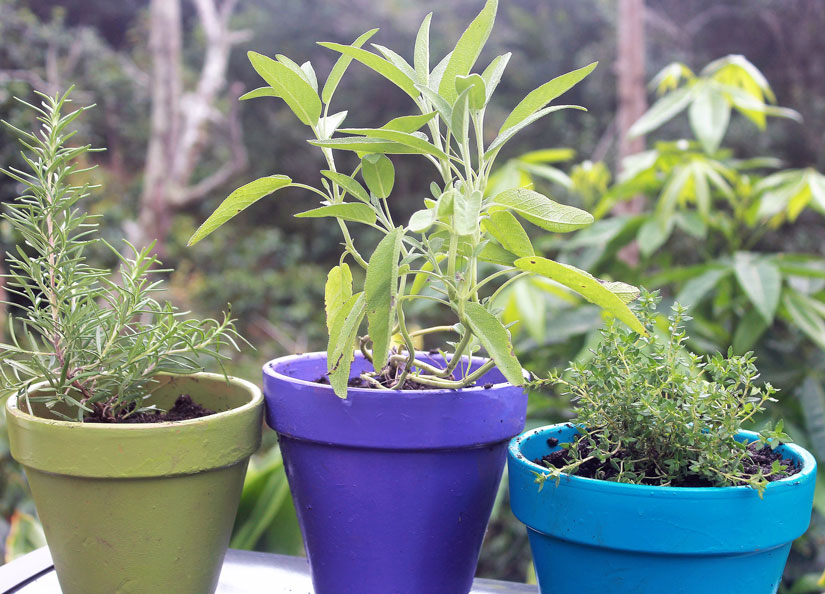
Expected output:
(459, 227)
(96, 341)
(651, 412)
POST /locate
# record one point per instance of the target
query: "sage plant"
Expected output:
(458, 227)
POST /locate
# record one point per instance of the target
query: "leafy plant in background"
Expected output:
(95, 341)
(460, 226)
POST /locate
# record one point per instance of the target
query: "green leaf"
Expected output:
(259, 92)
(543, 212)
(396, 61)
(441, 106)
(421, 220)
(509, 233)
(662, 111)
(418, 144)
(309, 72)
(804, 313)
(467, 49)
(460, 122)
(749, 329)
(349, 184)
(699, 286)
(380, 288)
(466, 212)
(237, 201)
(623, 291)
(329, 124)
(437, 74)
(341, 66)
(492, 74)
(379, 174)
(337, 291)
(653, 234)
(409, 123)
(378, 64)
(495, 254)
(585, 285)
(543, 95)
(495, 339)
(298, 94)
(350, 211)
(709, 116)
(761, 281)
(421, 56)
(812, 399)
(342, 342)
(477, 96)
(363, 144)
(507, 134)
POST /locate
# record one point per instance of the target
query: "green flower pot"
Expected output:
(141, 508)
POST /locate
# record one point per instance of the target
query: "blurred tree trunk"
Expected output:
(182, 123)
(630, 70)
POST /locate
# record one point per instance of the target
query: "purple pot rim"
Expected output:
(269, 369)
(388, 419)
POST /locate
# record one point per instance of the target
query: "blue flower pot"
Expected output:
(598, 536)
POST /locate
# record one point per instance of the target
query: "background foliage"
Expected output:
(746, 255)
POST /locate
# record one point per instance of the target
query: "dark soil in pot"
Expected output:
(760, 459)
(184, 409)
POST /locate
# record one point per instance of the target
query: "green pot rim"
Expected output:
(97, 450)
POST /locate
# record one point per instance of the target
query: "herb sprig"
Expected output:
(95, 339)
(651, 412)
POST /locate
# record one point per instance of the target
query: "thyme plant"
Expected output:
(651, 412)
(458, 227)
(96, 341)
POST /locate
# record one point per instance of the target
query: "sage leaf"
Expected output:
(383, 67)
(543, 212)
(298, 94)
(337, 291)
(543, 95)
(409, 123)
(416, 143)
(421, 220)
(380, 289)
(421, 56)
(492, 74)
(467, 49)
(237, 201)
(342, 342)
(507, 134)
(585, 285)
(495, 339)
(259, 92)
(349, 211)
(477, 96)
(378, 173)
(340, 68)
(349, 184)
(467, 211)
(509, 233)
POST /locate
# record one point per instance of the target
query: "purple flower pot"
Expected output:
(393, 489)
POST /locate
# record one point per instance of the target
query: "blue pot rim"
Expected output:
(799, 454)
(653, 519)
